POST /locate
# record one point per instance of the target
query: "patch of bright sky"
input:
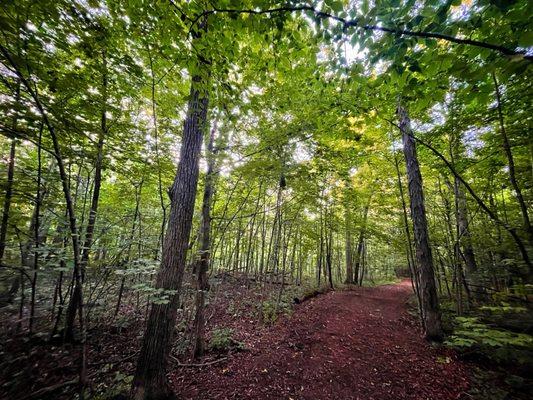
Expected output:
(396, 145)
(72, 39)
(438, 118)
(302, 153)
(94, 11)
(4, 71)
(31, 27)
(472, 139)
(462, 11)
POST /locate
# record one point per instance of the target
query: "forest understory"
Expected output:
(353, 343)
(293, 199)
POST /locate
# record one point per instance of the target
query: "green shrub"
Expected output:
(222, 340)
(497, 344)
(271, 309)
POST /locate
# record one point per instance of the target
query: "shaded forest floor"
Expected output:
(359, 343)
(353, 344)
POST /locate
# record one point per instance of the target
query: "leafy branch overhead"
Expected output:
(222, 198)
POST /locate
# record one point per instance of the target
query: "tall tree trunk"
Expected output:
(91, 222)
(329, 251)
(363, 261)
(129, 244)
(428, 290)
(33, 91)
(202, 284)
(10, 175)
(7, 296)
(276, 229)
(415, 276)
(349, 246)
(360, 243)
(37, 236)
(158, 159)
(510, 162)
(150, 376)
(463, 230)
(320, 250)
(253, 233)
(7, 198)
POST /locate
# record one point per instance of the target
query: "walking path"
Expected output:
(357, 344)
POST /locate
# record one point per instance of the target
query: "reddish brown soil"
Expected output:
(358, 344)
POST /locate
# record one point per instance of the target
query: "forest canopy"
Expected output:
(156, 153)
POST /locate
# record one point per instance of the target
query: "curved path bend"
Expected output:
(359, 344)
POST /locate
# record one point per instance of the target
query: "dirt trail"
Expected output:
(358, 344)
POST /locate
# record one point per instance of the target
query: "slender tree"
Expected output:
(428, 289)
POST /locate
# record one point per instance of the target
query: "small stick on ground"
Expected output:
(200, 365)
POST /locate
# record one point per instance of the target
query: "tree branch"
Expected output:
(354, 23)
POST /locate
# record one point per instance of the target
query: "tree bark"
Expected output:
(428, 290)
(464, 236)
(32, 90)
(7, 198)
(37, 236)
(7, 296)
(349, 247)
(91, 222)
(510, 163)
(415, 276)
(360, 243)
(150, 376)
(202, 284)
(158, 158)
(491, 213)
(9, 183)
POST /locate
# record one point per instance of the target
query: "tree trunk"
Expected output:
(205, 246)
(428, 290)
(360, 242)
(329, 250)
(129, 244)
(7, 198)
(415, 276)
(98, 165)
(150, 376)
(158, 159)
(463, 230)
(363, 262)
(320, 250)
(9, 183)
(349, 247)
(510, 162)
(8, 296)
(32, 90)
(37, 236)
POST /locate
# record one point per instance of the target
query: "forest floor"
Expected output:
(357, 343)
(352, 344)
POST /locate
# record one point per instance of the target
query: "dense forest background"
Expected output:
(320, 144)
